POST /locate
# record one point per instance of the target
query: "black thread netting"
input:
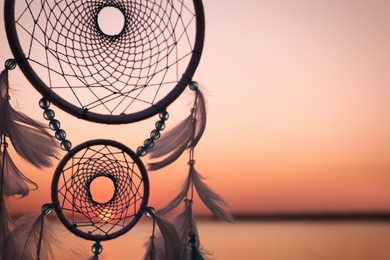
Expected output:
(111, 74)
(78, 203)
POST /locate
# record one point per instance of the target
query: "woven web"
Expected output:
(108, 74)
(77, 202)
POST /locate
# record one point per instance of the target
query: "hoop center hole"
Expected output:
(102, 189)
(111, 21)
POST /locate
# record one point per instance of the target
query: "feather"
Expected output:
(209, 198)
(29, 138)
(33, 238)
(167, 244)
(212, 200)
(155, 250)
(178, 199)
(185, 224)
(183, 136)
(201, 118)
(14, 182)
(171, 239)
(5, 222)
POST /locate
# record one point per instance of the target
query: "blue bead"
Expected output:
(150, 212)
(155, 134)
(149, 143)
(47, 209)
(141, 151)
(193, 85)
(160, 125)
(10, 64)
(66, 145)
(48, 114)
(97, 248)
(60, 135)
(54, 124)
(44, 103)
(163, 115)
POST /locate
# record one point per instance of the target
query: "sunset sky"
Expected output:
(298, 99)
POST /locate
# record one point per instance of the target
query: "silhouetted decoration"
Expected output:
(109, 71)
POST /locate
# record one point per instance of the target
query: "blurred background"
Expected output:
(298, 124)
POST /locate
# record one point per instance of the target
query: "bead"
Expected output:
(160, 125)
(44, 103)
(191, 233)
(193, 85)
(47, 209)
(141, 151)
(149, 143)
(54, 124)
(10, 64)
(155, 134)
(163, 115)
(60, 135)
(48, 114)
(192, 243)
(97, 248)
(66, 145)
(150, 212)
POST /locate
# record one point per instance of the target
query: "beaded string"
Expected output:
(54, 124)
(154, 134)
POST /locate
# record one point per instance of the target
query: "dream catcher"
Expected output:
(72, 54)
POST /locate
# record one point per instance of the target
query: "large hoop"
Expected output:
(113, 78)
(74, 202)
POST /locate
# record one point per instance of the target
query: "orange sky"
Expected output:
(299, 101)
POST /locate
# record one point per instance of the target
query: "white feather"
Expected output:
(209, 198)
(29, 138)
(200, 117)
(166, 246)
(14, 182)
(5, 222)
(184, 222)
(33, 238)
(183, 136)
(178, 199)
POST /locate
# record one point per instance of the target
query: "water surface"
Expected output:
(256, 240)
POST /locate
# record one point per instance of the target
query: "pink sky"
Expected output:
(299, 101)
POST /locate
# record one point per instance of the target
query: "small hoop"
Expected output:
(72, 199)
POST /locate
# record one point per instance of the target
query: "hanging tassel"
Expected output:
(165, 246)
(186, 227)
(184, 136)
(14, 182)
(29, 138)
(194, 252)
(33, 237)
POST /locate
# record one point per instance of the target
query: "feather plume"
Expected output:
(185, 225)
(5, 222)
(183, 136)
(29, 138)
(178, 199)
(33, 238)
(14, 182)
(167, 244)
(171, 239)
(209, 198)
